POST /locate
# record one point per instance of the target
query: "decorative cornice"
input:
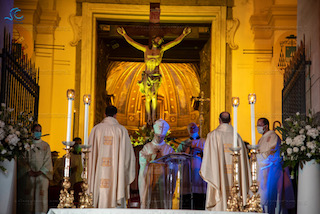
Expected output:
(278, 17)
(49, 20)
(31, 11)
(232, 26)
(76, 23)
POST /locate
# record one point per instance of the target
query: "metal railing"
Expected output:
(19, 80)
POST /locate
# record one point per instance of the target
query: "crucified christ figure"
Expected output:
(151, 77)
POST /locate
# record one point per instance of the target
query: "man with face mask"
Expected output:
(276, 190)
(194, 146)
(34, 174)
(152, 151)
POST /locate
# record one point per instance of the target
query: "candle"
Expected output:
(87, 101)
(252, 101)
(235, 104)
(70, 96)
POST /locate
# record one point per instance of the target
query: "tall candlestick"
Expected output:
(252, 101)
(235, 104)
(70, 96)
(87, 101)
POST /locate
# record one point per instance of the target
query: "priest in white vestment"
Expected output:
(111, 164)
(216, 168)
(34, 172)
(152, 151)
(275, 188)
(194, 146)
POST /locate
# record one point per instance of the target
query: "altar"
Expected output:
(135, 211)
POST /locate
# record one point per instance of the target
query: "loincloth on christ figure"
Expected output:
(150, 82)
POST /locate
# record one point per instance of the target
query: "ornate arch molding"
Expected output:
(216, 15)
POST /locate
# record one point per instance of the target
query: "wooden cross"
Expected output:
(201, 99)
(154, 28)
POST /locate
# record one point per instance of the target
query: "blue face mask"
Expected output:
(37, 135)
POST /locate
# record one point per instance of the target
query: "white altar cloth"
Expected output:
(135, 211)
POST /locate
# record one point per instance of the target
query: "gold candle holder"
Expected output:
(66, 198)
(86, 199)
(235, 203)
(253, 202)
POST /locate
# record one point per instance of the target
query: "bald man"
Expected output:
(216, 168)
(194, 146)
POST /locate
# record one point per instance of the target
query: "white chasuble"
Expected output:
(111, 164)
(216, 168)
(149, 152)
(33, 191)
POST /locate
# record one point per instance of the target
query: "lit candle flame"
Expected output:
(70, 94)
(252, 98)
(87, 99)
(235, 101)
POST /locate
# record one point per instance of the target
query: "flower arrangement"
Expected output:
(301, 140)
(15, 136)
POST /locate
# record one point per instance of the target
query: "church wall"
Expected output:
(242, 67)
(63, 76)
(46, 22)
(308, 19)
(270, 26)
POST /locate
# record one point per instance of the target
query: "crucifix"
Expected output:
(151, 77)
(201, 99)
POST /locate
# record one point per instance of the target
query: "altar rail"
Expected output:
(19, 80)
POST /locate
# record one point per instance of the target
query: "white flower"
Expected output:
(282, 153)
(3, 152)
(17, 133)
(311, 145)
(309, 155)
(295, 123)
(298, 140)
(303, 148)
(308, 127)
(33, 146)
(314, 133)
(295, 149)
(3, 105)
(318, 128)
(289, 151)
(288, 141)
(27, 146)
(2, 124)
(12, 139)
(301, 131)
(30, 119)
(10, 109)
(288, 119)
(313, 151)
(298, 113)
